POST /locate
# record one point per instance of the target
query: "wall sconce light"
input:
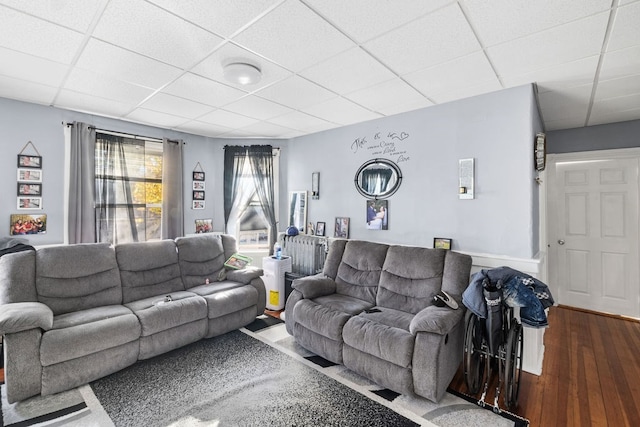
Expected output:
(315, 185)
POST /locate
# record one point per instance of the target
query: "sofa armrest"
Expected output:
(437, 320)
(314, 286)
(245, 275)
(22, 316)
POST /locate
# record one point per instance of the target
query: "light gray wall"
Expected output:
(496, 129)
(21, 122)
(601, 137)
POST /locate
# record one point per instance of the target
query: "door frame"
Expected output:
(548, 208)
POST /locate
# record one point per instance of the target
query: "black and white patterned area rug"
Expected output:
(257, 376)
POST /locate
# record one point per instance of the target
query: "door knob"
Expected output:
(560, 242)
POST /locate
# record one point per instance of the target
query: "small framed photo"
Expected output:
(30, 175)
(28, 224)
(198, 176)
(198, 185)
(197, 204)
(32, 162)
(320, 228)
(29, 202)
(341, 227)
(26, 189)
(204, 225)
(441, 243)
(198, 195)
(377, 214)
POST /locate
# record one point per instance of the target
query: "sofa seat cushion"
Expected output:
(390, 317)
(213, 287)
(155, 315)
(321, 319)
(222, 303)
(343, 303)
(385, 342)
(85, 332)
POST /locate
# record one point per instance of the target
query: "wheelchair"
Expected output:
(493, 344)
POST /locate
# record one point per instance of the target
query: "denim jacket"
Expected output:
(519, 290)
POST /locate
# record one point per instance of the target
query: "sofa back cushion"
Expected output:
(201, 258)
(410, 277)
(148, 269)
(77, 277)
(359, 270)
(18, 277)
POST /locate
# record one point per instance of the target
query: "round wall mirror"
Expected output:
(378, 178)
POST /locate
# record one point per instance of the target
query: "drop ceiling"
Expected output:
(325, 63)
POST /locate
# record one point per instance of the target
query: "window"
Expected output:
(128, 189)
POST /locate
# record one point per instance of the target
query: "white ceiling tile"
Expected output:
(610, 106)
(91, 104)
(438, 37)
(342, 111)
(568, 74)
(303, 122)
(294, 37)
(120, 64)
(267, 129)
(618, 87)
(239, 133)
(26, 91)
(403, 108)
(225, 17)
(74, 14)
(468, 91)
(566, 104)
(469, 70)
(349, 71)
(176, 106)
(34, 36)
(155, 118)
(212, 67)
(156, 33)
(203, 90)
(626, 28)
(620, 63)
(295, 92)
(363, 20)
(618, 116)
(201, 128)
(257, 108)
(498, 21)
(559, 45)
(31, 68)
(227, 119)
(90, 83)
(385, 95)
(568, 123)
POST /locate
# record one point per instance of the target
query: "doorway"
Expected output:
(593, 230)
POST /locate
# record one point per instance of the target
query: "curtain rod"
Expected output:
(258, 145)
(126, 135)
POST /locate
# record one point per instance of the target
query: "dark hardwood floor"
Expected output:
(590, 374)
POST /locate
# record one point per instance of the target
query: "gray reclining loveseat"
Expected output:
(371, 310)
(72, 314)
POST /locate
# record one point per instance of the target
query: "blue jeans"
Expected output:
(518, 292)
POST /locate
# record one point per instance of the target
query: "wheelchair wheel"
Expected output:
(473, 359)
(513, 364)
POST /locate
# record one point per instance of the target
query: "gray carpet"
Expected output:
(234, 380)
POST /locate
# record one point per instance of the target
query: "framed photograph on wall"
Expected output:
(341, 229)
(204, 225)
(29, 203)
(320, 228)
(377, 214)
(198, 185)
(441, 243)
(198, 195)
(197, 204)
(29, 189)
(27, 224)
(198, 176)
(28, 161)
(29, 175)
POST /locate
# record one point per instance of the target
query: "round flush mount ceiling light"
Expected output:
(242, 73)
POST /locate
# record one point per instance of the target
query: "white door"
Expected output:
(596, 242)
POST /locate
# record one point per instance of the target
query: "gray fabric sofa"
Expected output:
(72, 314)
(405, 343)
